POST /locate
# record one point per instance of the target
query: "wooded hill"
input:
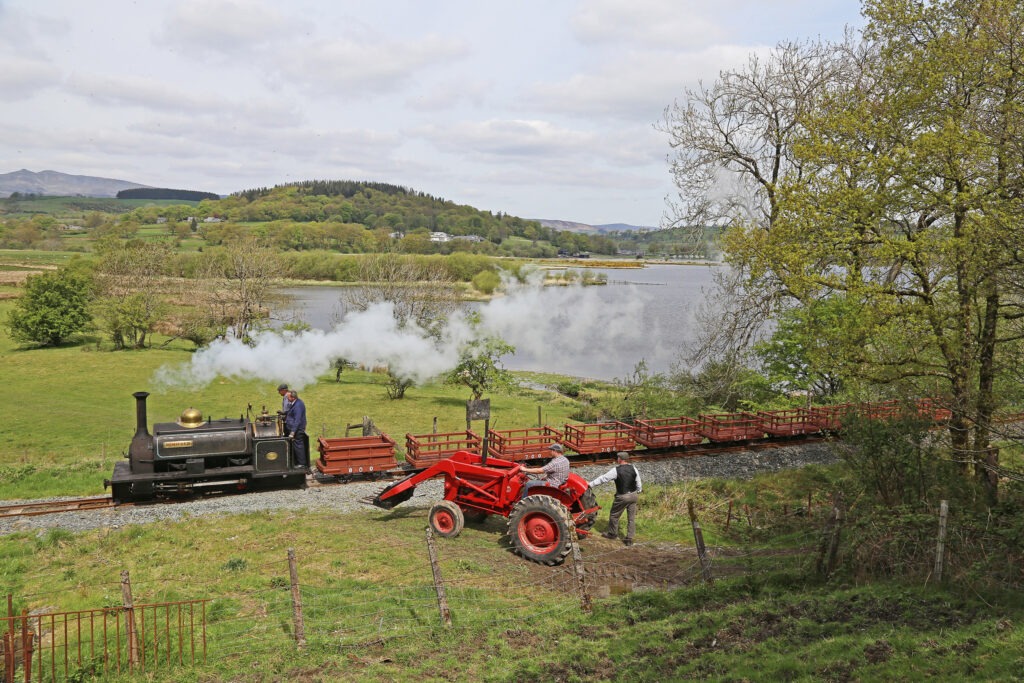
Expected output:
(334, 215)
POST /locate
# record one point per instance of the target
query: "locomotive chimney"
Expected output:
(140, 452)
(140, 413)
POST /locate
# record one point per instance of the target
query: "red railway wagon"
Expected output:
(930, 407)
(599, 437)
(668, 432)
(881, 410)
(830, 418)
(521, 444)
(791, 422)
(356, 455)
(423, 450)
(740, 426)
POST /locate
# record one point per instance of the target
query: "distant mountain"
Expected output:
(56, 184)
(590, 229)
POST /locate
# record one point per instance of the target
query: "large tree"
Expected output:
(907, 206)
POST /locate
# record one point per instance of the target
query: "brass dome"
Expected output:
(191, 418)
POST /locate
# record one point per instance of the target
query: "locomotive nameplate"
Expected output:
(177, 444)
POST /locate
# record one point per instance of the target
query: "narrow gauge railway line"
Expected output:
(34, 509)
(54, 506)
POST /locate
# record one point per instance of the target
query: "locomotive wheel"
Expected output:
(539, 529)
(446, 519)
(587, 500)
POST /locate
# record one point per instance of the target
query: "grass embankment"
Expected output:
(371, 614)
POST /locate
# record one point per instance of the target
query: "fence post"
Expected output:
(728, 515)
(830, 540)
(941, 547)
(28, 639)
(435, 568)
(129, 610)
(300, 624)
(578, 571)
(9, 655)
(698, 537)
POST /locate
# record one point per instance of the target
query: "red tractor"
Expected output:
(539, 525)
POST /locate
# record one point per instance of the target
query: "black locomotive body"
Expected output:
(197, 454)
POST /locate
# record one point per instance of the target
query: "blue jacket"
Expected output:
(295, 418)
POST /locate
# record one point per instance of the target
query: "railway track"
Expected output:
(55, 506)
(103, 502)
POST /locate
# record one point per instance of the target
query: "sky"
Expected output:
(543, 109)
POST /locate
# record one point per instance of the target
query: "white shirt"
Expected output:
(613, 474)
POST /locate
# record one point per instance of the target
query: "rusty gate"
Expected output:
(56, 646)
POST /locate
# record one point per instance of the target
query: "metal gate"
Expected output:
(56, 646)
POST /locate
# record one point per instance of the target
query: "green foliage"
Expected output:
(646, 394)
(54, 306)
(486, 281)
(897, 460)
(726, 385)
(479, 367)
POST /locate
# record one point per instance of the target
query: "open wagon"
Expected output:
(668, 432)
(356, 455)
(724, 427)
(521, 444)
(423, 450)
(599, 437)
(791, 422)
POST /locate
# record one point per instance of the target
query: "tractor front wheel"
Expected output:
(446, 519)
(539, 529)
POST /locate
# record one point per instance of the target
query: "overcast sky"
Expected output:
(537, 108)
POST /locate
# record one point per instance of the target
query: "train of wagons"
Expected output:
(197, 454)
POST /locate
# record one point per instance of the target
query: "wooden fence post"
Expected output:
(577, 568)
(728, 515)
(300, 624)
(435, 568)
(129, 609)
(698, 537)
(830, 540)
(9, 649)
(941, 547)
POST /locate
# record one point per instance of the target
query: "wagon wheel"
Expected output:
(587, 501)
(446, 519)
(539, 529)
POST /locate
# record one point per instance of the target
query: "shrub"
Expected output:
(54, 307)
(486, 281)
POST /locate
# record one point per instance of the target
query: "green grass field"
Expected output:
(367, 588)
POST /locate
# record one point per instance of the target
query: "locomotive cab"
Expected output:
(195, 454)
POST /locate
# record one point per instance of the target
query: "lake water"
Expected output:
(596, 331)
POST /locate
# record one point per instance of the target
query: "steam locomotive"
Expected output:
(196, 454)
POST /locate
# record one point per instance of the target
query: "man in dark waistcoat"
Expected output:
(627, 491)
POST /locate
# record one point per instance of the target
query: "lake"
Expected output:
(595, 331)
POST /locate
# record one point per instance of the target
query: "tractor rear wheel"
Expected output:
(446, 519)
(539, 529)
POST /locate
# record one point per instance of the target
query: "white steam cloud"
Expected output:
(525, 318)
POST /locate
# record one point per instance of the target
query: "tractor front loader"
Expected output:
(539, 525)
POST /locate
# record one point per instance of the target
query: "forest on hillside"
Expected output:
(338, 216)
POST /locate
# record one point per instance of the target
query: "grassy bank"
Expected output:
(371, 613)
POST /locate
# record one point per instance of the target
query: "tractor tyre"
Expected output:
(539, 529)
(587, 501)
(446, 519)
